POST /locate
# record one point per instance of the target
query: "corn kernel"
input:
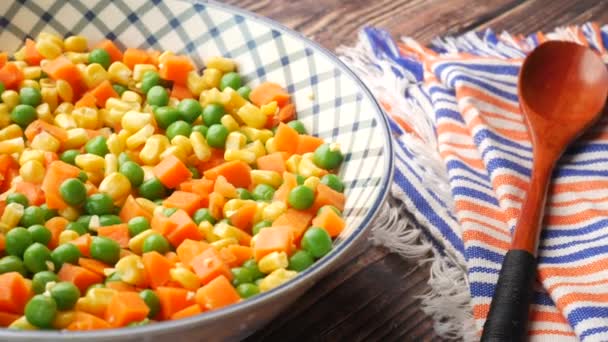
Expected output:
(307, 168)
(45, 141)
(22, 324)
(111, 164)
(272, 211)
(29, 84)
(235, 101)
(293, 162)
(183, 143)
(10, 98)
(43, 111)
(96, 301)
(32, 171)
(65, 121)
(185, 277)
(221, 63)
(67, 236)
(139, 138)
(64, 90)
(10, 132)
(79, 58)
(259, 213)
(235, 141)
(140, 69)
(164, 55)
(20, 64)
(271, 178)
(69, 213)
(211, 78)
(28, 155)
(273, 261)
(257, 148)
(32, 72)
(117, 186)
(201, 149)
(90, 162)
(176, 151)
(269, 109)
(134, 121)
(206, 229)
(86, 117)
(63, 319)
(76, 44)
(243, 155)
(213, 95)
(47, 83)
(94, 74)
(119, 73)
(221, 243)
(5, 116)
(271, 146)
(12, 215)
(64, 107)
(131, 96)
(254, 134)
(155, 145)
(77, 137)
(131, 270)
(195, 83)
(312, 182)
(231, 206)
(10, 146)
(276, 278)
(19, 55)
(148, 172)
(136, 243)
(48, 48)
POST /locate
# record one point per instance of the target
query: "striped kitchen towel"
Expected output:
(463, 162)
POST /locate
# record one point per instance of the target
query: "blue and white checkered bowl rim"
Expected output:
(313, 272)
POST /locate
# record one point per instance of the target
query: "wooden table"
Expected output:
(374, 297)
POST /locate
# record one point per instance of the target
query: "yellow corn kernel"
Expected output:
(5, 116)
(22, 324)
(10, 131)
(47, 83)
(94, 74)
(173, 102)
(271, 146)
(243, 155)
(48, 48)
(28, 155)
(221, 63)
(235, 100)
(95, 177)
(10, 98)
(32, 171)
(131, 270)
(134, 121)
(32, 72)
(206, 229)
(20, 64)
(195, 83)
(119, 73)
(139, 138)
(19, 55)
(201, 149)
(96, 301)
(115, 144)
(176, 151)
(145, 203)
(254, 134)
(148, 172)
(63, 319)
(45, 141)
(111, 164)
(12, 215)
(76, 44)
(77, 137)
(14, 145)
(140, 69)
(30, 84)
(235, 141)
(257, 148)
(43, 111)
(90, 162)
(70, 213)
(307, 168)
(271, 178)
(231, 206)
(219, 244)
(117, 186)
(183, 143)
(136, 243)
(211, 78)
(64, 107)
(229, 122)
(131, 96)
(312, 182)
(213, 95)
(65, 121)
(86, 117)
(273, 210)
(67, 236)
(185, 277)
(155, 145)
(54, 38)
(225, 231)
(293, 163)
(64, 90)
(79, 58)
(269, 109)
(276, 278)
(273, 261)
(164, 55)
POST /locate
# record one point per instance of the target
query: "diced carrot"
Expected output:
(83, 242)
(85, 321)
(34, 128)
(6, 318)
(117, 232)
(157, 268)
(79, 276)
(56, 225)
(9, 169)
(289, 182)
(3, 58)
(32, 191)
(154, 54)
(244, 216)
(218, 293)
(49, 157)
(32, 56)
(287, 112)
(228, 257)
(120, 286)
(171, 171)
(242, 253)
(2, 243)
(297, 221)
(11, 76)
(187, 201)
(131, 209)
(172, 300)
(216, 204)
(62, 68)
(272, 162)
(308, 143)
(236, 172)
(330, 221)
(224, 188)
(181, 92)
(268, 92)
(125, 308)
(57, 172)
(286, 139)
(209, 265)
(188, 249)
(172, 257)
(176, 69)
(162, 224)
(272, 239)
(103, 92)
(87, 100)
(185, 228)
(217, 158)
(15, 291)
(93, 265)
(197, 186)
(328, 196)
(111, 49)
(191, 310)
(133, 56)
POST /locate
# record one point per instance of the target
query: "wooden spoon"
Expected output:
(562, 89)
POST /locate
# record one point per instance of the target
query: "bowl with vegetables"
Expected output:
(173, 169)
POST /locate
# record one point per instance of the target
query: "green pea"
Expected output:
(179, 127)
(300, 179)
(105, 249)
(300, 261)
(149, 79)
(137, 225)
(216, 135)
(109, 220)
(301, 197)
(11, 263)
(202, 129)
(40, 311)
(73, 191)
(152, 189)
(30, 96)
(2, 87)
(252, 266)
(66, 252)
(241, 275)
(203, 214)
(333, 182)
(119, 88)
(212, 114)
(230, 80)
(298, 126)
(78, 227)
(16, 197)
(156, 242)
(69, 156)
(85, 220)
(23, 114)
(123, 157)
(259, 226)
(247, 290)
(327, 157)
(133, 172)
(195, 173)
(31, 216)
(97, 146)
(244, 91)
(263, 192)
(40, 280)
(317, 242)
(37, 258)
(189, 109)
(99, 204)
(244, 194)
(17, 241)
(157, 96)
(40, 233)
(65, 295)
(165, 116)
(48, 213)
(101, 57)
(152, 301)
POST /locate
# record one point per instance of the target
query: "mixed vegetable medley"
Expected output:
(136, 189)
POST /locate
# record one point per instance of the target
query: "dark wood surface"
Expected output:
(374, 297)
